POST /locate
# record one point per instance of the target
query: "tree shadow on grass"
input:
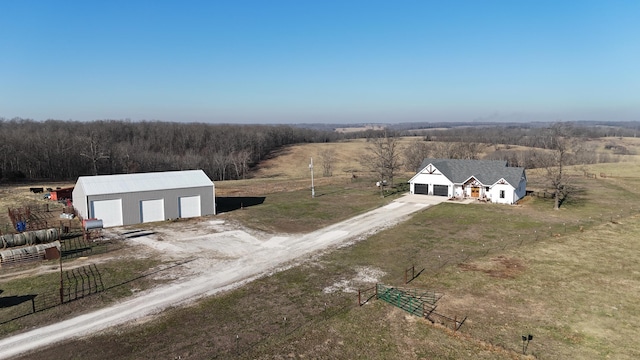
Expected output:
(226, 204)
(576, 198)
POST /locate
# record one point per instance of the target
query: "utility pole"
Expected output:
(313, 190)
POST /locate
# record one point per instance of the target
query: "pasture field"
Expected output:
(127, 270)
(571, 277)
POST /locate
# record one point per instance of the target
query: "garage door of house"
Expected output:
(152, 210)
(441, 190)
(109, 211)
(421, 189)
(190, 206)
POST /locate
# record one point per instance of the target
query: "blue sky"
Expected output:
(276, 61)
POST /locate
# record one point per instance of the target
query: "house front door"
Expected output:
(475, 192)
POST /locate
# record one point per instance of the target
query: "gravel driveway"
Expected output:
(224, 259)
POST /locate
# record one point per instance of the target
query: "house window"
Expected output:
(486, 188)
(501, 194)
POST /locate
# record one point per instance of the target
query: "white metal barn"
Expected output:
(145, 197)
(490, 180)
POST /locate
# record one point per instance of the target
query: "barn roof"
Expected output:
(487, 172)
(128, 183)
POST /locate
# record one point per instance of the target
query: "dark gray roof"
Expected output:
(485, 171)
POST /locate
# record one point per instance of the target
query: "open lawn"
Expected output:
(571, 278)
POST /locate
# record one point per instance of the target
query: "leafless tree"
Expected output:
(327, 159)
(585, 154)
(220, 163)
(93, 150)
(558, 141)
(415, 152)
(456, 150)
(240, 160)
(383, 158)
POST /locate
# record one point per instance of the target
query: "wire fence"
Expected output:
(80, 282)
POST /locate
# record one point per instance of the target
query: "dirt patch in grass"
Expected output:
(498, 267)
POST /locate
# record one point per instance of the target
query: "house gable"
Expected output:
(502, 181)
(429, 169)
(472, 181)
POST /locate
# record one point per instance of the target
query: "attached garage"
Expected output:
(441, 190)
(146, 197)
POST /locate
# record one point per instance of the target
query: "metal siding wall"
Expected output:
(131, 202)
(131, 205)
(80, 201)
(206, 200)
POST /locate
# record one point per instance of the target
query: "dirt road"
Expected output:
(219, 265)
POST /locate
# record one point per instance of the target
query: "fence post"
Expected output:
(61, 280)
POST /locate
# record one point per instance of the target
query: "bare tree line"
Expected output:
(524, 134)
(470, 142)
(420, 150)
(64, 150)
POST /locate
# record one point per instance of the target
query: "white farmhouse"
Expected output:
(490, 180)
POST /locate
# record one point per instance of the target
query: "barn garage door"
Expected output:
(441, 190)
(152, 210)
(421, 189)
(110, 211)
(190, 206)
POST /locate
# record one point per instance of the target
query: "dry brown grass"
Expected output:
(576, 293)
(12, 196)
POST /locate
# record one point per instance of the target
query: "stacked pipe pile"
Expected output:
(29, 238)
(36, 252)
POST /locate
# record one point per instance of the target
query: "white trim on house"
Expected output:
(482, 179)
